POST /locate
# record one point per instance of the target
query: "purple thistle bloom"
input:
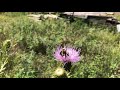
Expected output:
(70, 54)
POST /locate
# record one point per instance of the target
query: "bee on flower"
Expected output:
(67, 55)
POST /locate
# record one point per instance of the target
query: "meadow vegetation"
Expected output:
(27, 47)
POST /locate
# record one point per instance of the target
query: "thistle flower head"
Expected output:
(67, 54)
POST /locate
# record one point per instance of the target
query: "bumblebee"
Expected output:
(64, 52)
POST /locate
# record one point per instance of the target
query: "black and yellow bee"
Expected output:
(63, 51)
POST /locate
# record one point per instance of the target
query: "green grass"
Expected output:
(30, 53)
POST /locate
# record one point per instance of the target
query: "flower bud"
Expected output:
(7, 43)
(60, 73)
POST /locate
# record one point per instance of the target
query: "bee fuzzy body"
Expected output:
(64, 52)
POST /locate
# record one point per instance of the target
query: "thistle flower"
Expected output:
(67, 54)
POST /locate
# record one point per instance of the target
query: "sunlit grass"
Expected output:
(30, 54)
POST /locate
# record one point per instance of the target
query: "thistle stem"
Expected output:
(67, 66)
